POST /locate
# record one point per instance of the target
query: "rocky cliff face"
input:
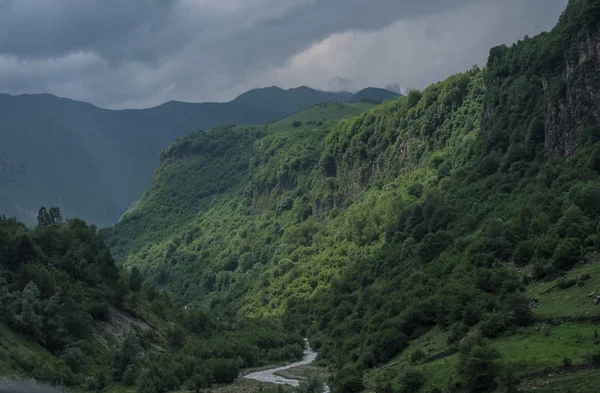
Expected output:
(572, 100)
(545, 91)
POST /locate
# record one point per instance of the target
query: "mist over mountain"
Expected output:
(94, 163)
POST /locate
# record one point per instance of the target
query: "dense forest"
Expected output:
(88, 325)
(430, 221)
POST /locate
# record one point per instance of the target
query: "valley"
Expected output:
(443, 241)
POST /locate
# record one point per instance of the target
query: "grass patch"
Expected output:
(583, 381)
(535, 348)
(574, 300)
(439, 373)
(529, 350)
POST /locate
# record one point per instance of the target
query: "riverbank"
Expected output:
(291, 374)
(301, 373)
(245, 385)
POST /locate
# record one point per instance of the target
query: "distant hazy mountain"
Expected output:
(373, 94)
(291, 100)
(94, 163)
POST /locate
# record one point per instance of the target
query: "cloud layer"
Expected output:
(138, 53)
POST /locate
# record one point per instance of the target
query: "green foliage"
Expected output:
(311, 384)
(477, 365)
(430, 211)
(223, 370)
(58, 279)
(201, 378)
(417, 356)
(348, 380)
(411, 381)
(60, 289)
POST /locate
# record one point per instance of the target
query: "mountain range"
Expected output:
(94, 163)
(445, 241)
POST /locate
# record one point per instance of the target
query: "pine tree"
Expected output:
(43, 217)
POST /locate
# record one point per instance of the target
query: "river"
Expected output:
(269, 375)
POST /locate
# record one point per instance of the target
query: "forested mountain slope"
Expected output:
(70, 317)
(423, 226)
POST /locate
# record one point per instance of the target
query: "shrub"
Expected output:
(176, 338)
(492, 324)
(411, 381)
(202, 378)
(296, 124)
(130, 375)
(457, 332)
(523, 253)
(223, 370)
(516, 306)
(414, 97)
(74, 358)
(100, 312)
(567, 253)
(595, 359)
(95, 383)
(565, 283)
(348, 380)
(312, 384)
(387, 344)
(508, 381)
(416, 356)
(477, 364)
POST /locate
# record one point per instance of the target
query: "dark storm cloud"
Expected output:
(141, 52)
(271, 40)
(146, 29)
(115, 29)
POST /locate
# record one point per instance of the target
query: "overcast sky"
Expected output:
(141, 53)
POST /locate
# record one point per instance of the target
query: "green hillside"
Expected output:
(422, 244)
(69, 317)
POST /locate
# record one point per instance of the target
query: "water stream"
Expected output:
(269, 375)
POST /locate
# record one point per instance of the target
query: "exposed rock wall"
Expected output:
(573, 99)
